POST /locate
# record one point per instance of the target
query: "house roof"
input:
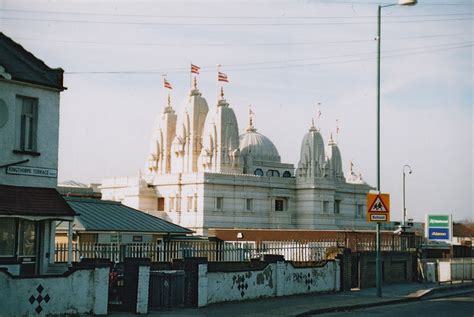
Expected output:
(33, 201)
(103, 215)
(25, 67)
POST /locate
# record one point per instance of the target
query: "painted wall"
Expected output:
(276, 279)
(47, 133)
(236, 286)
(308, 280)
(82, 292)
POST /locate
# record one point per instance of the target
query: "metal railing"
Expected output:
(234, 250)
(448, 270)
(214, 251)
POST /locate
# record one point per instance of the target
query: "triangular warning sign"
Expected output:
(378, 206)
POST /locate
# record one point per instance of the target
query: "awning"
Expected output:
(33, 203)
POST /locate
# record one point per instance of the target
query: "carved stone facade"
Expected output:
(201, 174)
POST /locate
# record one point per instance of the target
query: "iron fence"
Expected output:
(166, 251)
(214, 251)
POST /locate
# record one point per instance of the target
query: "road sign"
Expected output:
(438, 227)
(378, 207)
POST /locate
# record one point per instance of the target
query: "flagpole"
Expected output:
(191, 77)
(318, 116)
(163, 88)
(218, 70)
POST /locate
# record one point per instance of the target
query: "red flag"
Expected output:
(222, 77)
(167, 84)
(195, 69)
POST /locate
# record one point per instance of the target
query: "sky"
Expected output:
(289, 60)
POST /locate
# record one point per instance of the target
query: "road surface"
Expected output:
(452, 306)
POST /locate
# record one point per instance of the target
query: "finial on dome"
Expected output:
(331, 140)
(168, 106)
(194, 88)
(250, 127)
(351, 167)
(221, 102)
(312, 128)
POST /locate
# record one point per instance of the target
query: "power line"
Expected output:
(234, 67)
(122, 43)
(223, 24)
(226, 17)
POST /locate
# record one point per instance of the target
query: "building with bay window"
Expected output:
(29, 130)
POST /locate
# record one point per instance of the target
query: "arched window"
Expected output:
(273, 173)
(286, 174)
(258, 172)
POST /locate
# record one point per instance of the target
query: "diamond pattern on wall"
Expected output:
(39, 299)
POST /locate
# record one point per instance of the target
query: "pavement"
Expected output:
(320, 303)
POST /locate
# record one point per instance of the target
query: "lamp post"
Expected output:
(404, 207)
(378, 261)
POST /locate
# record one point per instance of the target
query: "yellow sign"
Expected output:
(378, 207)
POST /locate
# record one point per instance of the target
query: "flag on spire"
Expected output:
(222, 77)
(195, 69)
(337, 126)
(167, 84)
(318, 114)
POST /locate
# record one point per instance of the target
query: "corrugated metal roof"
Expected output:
(103, 215)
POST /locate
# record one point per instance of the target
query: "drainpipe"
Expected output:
(69, 244)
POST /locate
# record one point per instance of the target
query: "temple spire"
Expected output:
(168, 107)
(312, 128)
(331, 139)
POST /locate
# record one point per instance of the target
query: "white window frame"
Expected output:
(220, 203)
(249, 204)
(284, 206)
(28, 124)
(325, 206)
(337, 206)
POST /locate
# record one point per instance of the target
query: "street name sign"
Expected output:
(32, 171)
(378, 207)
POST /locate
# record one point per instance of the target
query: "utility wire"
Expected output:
(122, 43)
(234, 67)
(227, 17)
(223, 24)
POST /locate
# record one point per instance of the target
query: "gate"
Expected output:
(166, 290)
(355, 270)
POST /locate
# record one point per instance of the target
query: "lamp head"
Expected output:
(406, 166)
(407, 2)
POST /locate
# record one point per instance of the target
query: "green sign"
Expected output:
(438, 221)
(438, 227)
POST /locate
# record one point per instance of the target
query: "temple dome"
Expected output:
(258, 146)
(312, 158)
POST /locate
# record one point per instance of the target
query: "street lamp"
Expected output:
(404, 208)
(378, 261)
